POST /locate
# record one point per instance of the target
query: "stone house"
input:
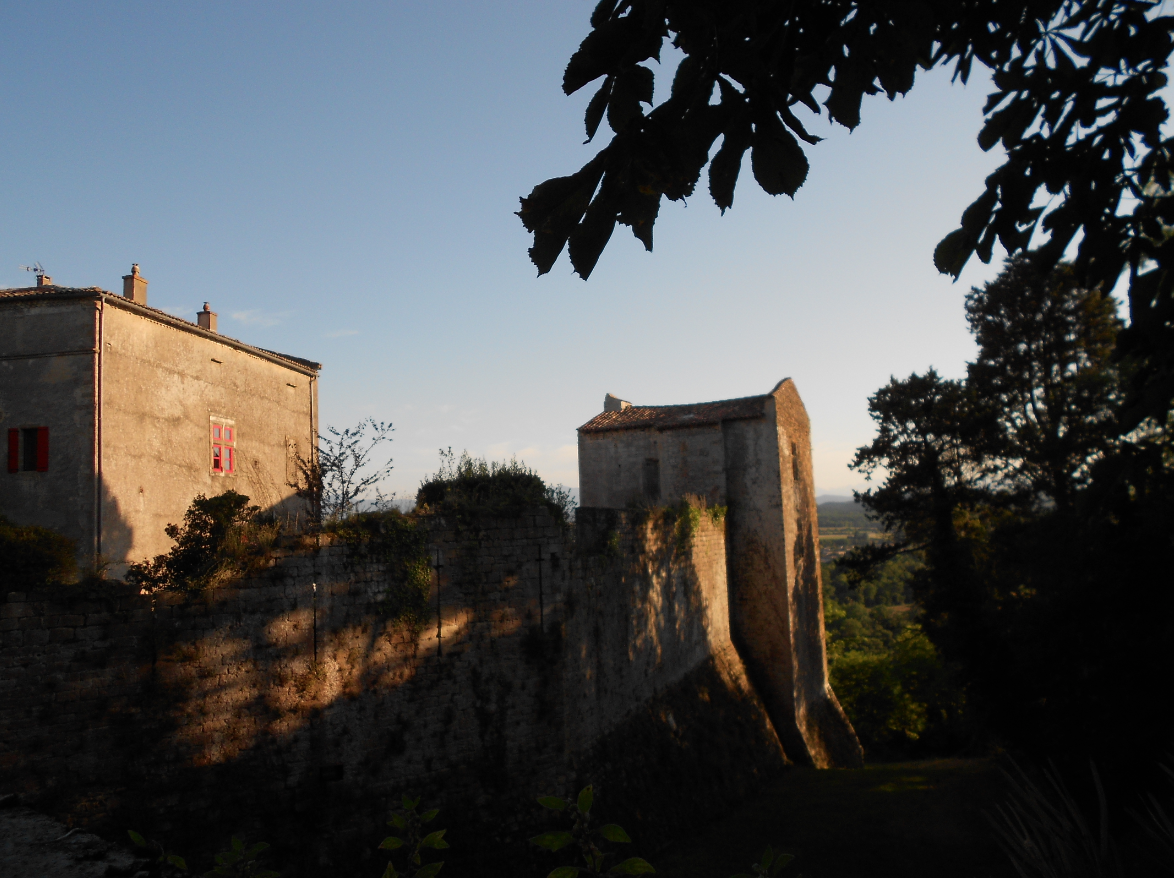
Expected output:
(752, 455)
(116, 414)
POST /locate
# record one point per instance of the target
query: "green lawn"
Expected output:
(909, 820)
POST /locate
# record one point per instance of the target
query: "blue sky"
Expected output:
(339, 181)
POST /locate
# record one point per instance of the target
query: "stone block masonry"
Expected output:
(293, 707)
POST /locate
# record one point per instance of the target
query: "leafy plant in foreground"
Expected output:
(411, 826)
(587, 839)
(170, 864)
(769, 865)
(240, 861)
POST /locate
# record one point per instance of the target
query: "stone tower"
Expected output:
(752, 455)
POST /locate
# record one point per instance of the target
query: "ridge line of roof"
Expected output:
(33, 293)
(680, 416)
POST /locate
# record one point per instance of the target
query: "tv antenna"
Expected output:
(35, 268)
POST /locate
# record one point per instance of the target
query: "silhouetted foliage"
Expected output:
(34, 557)
(1076, 104)
(1039, 523)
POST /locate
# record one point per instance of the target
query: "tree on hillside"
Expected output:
(1076, 106)
(1032, 579)
(1045, 375)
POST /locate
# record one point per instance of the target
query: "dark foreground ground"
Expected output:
(910, 820)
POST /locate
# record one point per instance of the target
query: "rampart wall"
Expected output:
(298, 713)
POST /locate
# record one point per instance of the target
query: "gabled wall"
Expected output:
(127, 395)
(161, 387)
(47, 360)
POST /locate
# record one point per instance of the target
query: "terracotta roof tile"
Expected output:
(673, 417)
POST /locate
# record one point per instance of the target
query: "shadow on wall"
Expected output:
(296, 713)
(117, 536)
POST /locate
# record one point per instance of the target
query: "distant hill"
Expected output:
(834, 513)
(832, 498)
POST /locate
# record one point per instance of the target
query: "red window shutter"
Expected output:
(13, 450)
(42, 449)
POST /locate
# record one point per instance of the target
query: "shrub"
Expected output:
(220, 538)
(400, 542)
(901, 697)
(33, 557)
(474, 487)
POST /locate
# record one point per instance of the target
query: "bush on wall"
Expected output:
(34, 557)
(474, 487)
(220, 538)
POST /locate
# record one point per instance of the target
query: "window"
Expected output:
(651, 479)
(28, 449)
(223, 447)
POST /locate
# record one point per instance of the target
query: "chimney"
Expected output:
(134, 286)
(43, 280)
(206, 318)
(615, 404)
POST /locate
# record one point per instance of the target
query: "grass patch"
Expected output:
(915, 819)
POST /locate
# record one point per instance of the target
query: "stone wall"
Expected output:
(293, 708)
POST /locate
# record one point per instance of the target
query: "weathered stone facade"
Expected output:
(126, 397)
(300, 712)
(754, 455)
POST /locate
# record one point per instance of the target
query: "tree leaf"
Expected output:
(624, 105)
(602, 12)
(586, 796)
(177, 861)
(639, 213)
(553, 210)
(952, 252)
(434, 840)
(632, 866)
(614, 833)
(391, 843)
(429, 816)
(136, 838)
(601, 52)
(553, 803)
(565, 872)
(596, 107)
(780, 167)
(767, 856)
(429, 870)
(780, 861)
(727, 164)
(553, 841)
(398, 821)
(588, 239)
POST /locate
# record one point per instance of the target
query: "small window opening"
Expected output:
(28, 449)
(223, 448)
(652, 480)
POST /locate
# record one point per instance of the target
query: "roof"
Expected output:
(674, 417)
(52, 291)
